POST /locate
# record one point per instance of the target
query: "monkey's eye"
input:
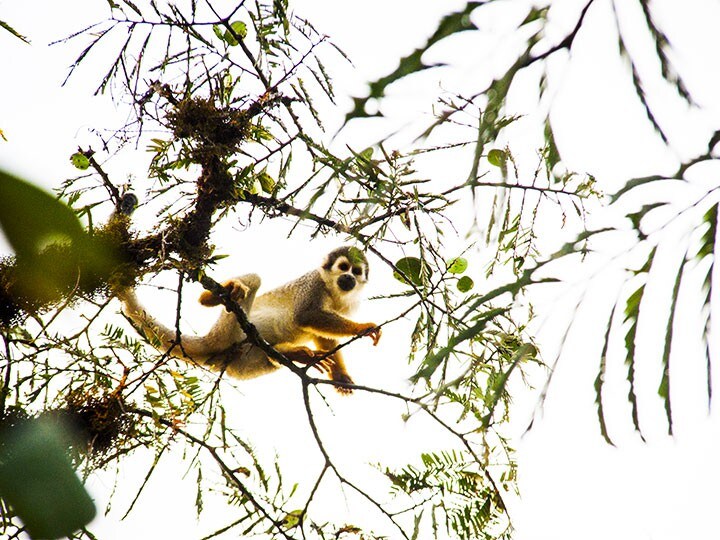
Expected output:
(344, 267)
(357, 270)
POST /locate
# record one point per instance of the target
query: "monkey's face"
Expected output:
(345, 271)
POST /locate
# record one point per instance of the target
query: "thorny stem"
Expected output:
(428, 410)
(224, 467)
(507, 185)
(109, 186)
(331, 465)
(313, 491)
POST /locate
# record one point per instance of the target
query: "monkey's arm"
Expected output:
(331, 325)
(336, 365)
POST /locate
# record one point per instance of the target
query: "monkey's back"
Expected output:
(273, 313)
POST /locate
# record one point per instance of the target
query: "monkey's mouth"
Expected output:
(346, 282)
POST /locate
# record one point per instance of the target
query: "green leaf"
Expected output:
(132, 6)
(534, 15)
(552, 154)
(80, 161)
(600, 379)
(412, 63)
(632, 312)
(457, 265)
(497, 157)
(637, 217)
(432, 362)
(267, 182)
(37, 480)
(218, 31)
(53, 251)
(707, 251)
(260, 134)
(664, 389)
(523, 352)
(32, 218)
(465, 283)
(367, 154)
(413, 269)
(239, 28)
(291, 519)
(356, 256)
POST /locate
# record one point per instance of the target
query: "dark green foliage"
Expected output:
(411, 270)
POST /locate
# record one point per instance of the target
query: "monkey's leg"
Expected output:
(337, 370)
(241, 289)
(302, 355)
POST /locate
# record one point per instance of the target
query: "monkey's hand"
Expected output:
(372, 330)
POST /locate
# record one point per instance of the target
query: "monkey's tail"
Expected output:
(222, 350)
(166, 340)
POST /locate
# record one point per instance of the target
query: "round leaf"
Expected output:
(80, 161)
(497, 157)
(240, 29)
(413, 269)
(457, 265)
(267, 182)
(465, 283)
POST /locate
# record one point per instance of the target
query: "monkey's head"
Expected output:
(345, 271)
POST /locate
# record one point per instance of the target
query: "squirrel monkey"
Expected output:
(310, 310)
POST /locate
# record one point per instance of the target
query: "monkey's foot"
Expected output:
(235, 288)
(343, 378)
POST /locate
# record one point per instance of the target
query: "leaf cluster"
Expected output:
(231, 101)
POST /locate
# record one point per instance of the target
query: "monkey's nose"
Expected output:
(346, 282)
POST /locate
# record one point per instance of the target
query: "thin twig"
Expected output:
(224, 467)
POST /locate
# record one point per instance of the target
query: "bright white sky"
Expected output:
(573, 485)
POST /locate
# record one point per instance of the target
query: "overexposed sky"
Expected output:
(573, 485)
